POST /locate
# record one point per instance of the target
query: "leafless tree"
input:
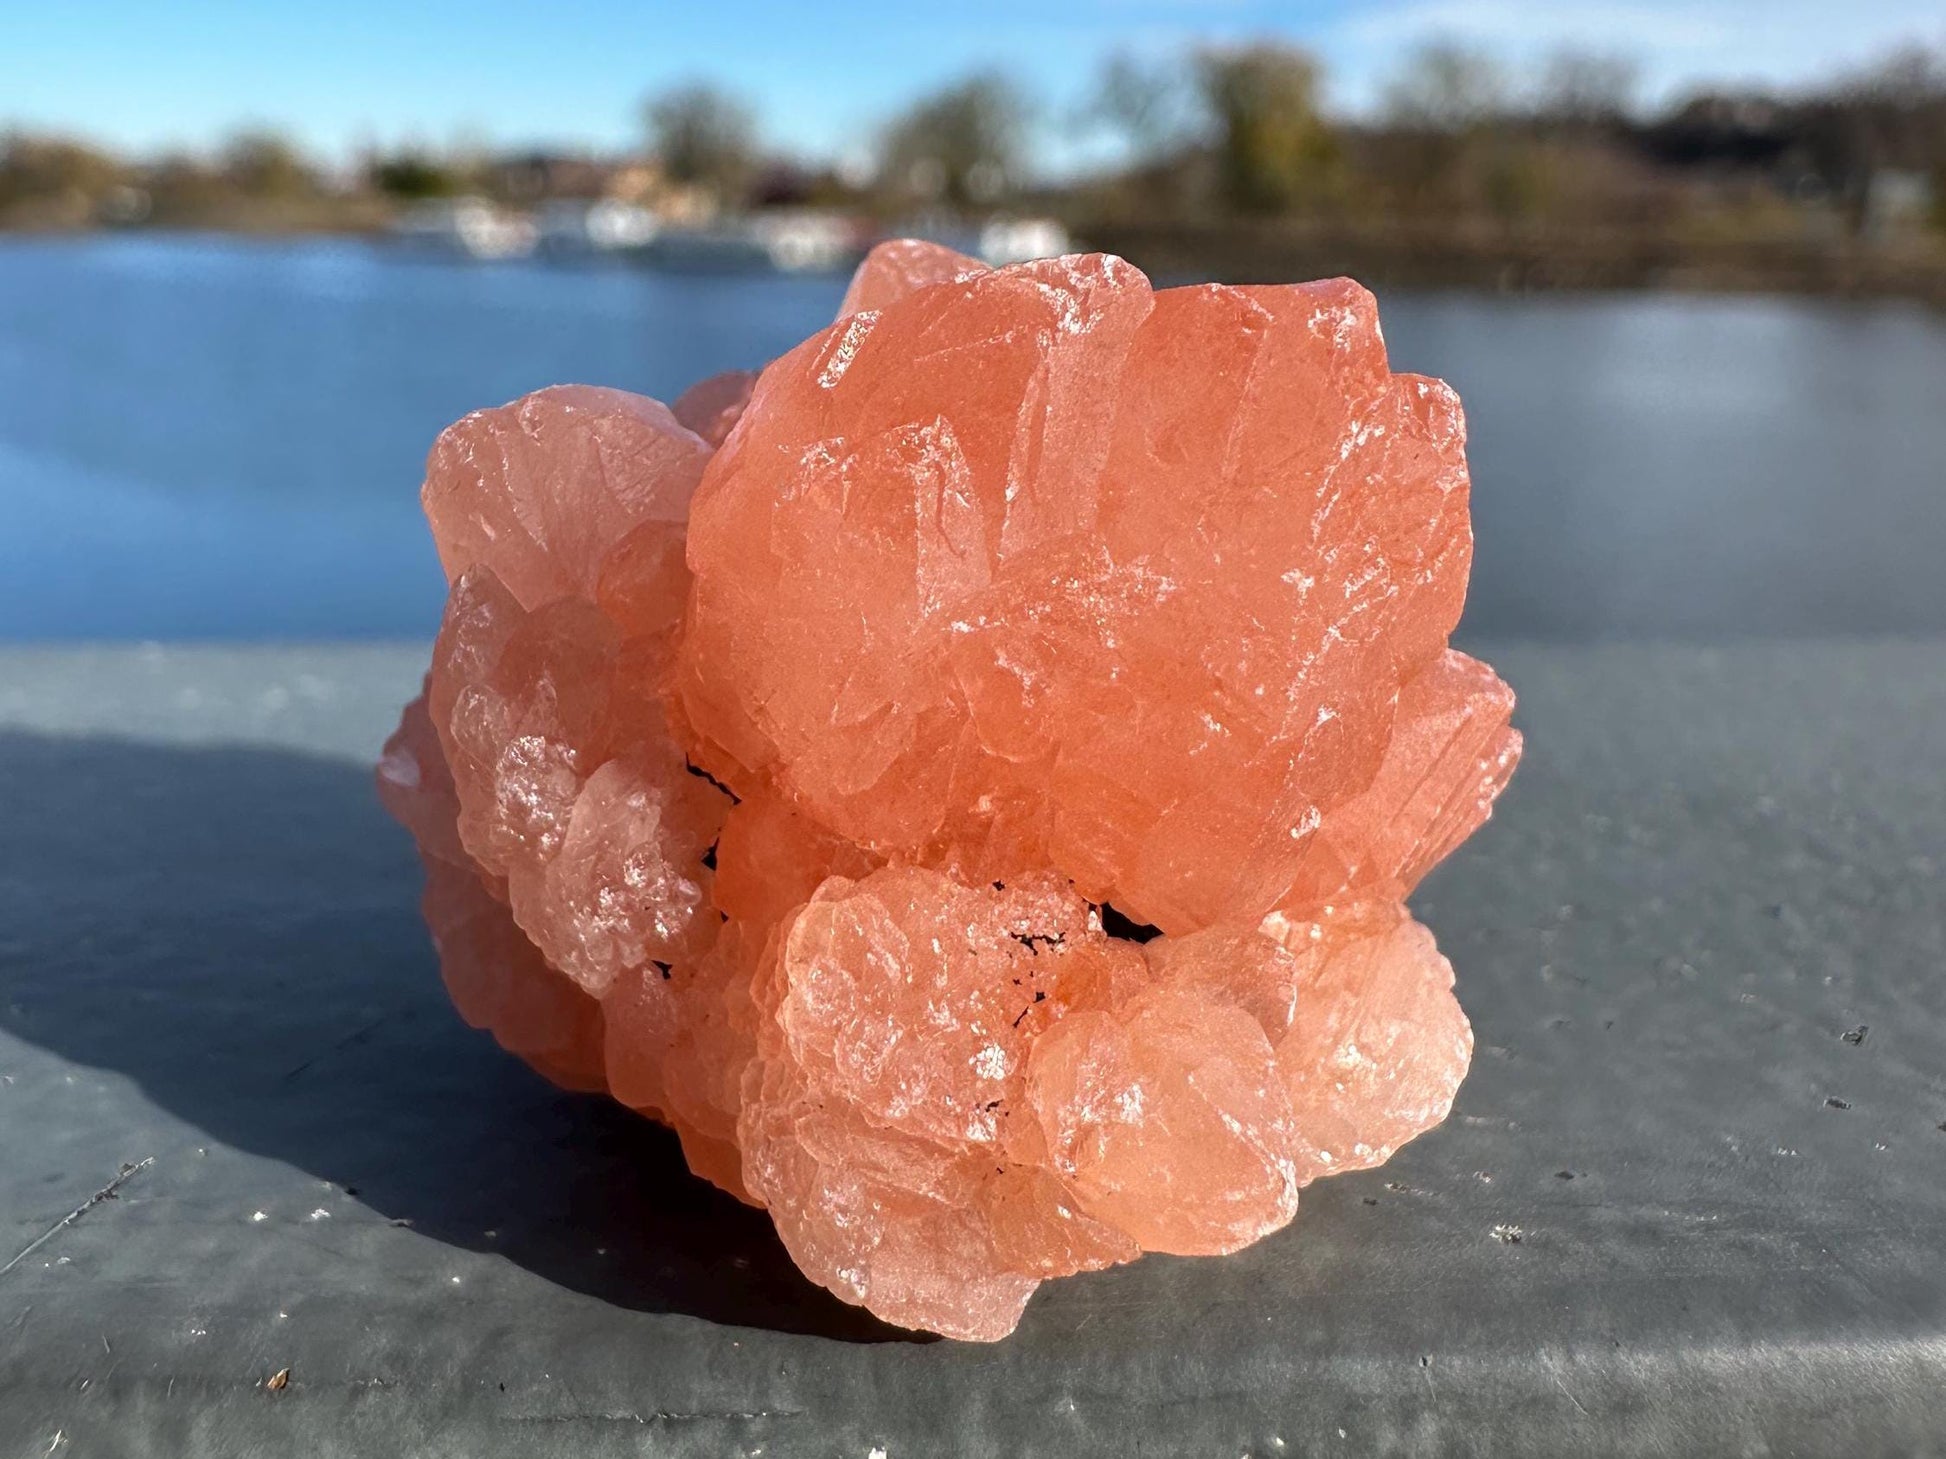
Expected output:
(1584, 89)
(705, 137)
(962, 146)
(1445, 86)
(1274, 151)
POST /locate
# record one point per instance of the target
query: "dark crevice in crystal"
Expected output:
(1120, 924)
(701, 773)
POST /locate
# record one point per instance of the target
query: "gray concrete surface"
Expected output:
(1702, 944)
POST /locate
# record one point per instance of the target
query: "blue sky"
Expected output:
(148, 73)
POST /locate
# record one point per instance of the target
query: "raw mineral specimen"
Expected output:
(966, 778)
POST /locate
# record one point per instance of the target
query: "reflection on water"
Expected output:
(223, 438)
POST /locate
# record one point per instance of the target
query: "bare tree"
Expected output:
(961, 146)
(1273, 149)
(704, 137)
(1446, 87)
(47, 167)
(1587, 88)
(1148, 106)
(261, 163)
(1886, 121)
(1911, 77)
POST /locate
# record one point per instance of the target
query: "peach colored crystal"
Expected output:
(783, 753)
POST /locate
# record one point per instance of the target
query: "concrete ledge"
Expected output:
(1715, 866)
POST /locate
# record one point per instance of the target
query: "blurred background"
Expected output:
(1685, 262)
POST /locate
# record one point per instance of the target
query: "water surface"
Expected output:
(223, 438)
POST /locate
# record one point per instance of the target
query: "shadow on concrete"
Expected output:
(236, 930)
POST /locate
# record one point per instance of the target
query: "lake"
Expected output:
(220, 438)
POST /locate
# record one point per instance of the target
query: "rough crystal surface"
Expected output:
(784, 751)
(901, 266)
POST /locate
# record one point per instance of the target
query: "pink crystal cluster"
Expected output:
(966, 778)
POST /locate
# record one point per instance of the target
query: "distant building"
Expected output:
(634, 180)
(1897, 202)
(541, 180)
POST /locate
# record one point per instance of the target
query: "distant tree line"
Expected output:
(1209, 138)
(1460, 139)
(1241, 133)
